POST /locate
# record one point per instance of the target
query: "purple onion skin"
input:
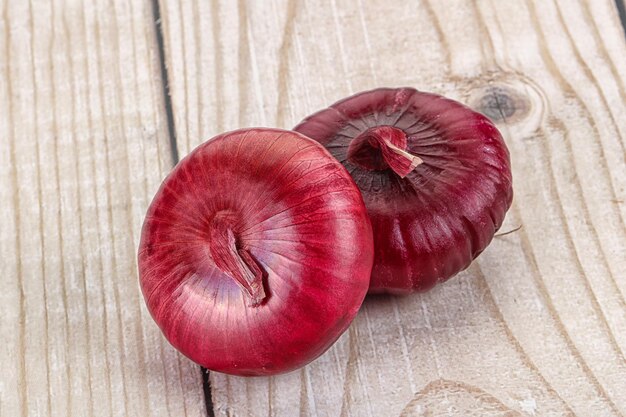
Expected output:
(431, 224)
(299, 227)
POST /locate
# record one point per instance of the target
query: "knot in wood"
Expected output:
(502, 104)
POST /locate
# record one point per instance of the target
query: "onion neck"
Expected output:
(382, 147)
(234, 261)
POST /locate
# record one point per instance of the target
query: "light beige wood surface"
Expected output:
(83, 146)
(537, 326)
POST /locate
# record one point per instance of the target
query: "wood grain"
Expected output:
(83, 147)
(537, 326)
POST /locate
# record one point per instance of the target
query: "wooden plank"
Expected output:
(83, 147)
(537, 326)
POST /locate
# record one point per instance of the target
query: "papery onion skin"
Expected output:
(431, 224)
(296, 212)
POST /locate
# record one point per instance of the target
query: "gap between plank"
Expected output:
(171, 129)
(206, 386)
(167, 98)
(621, 11)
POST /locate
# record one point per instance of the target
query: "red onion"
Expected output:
(256, 252)
(435, 177)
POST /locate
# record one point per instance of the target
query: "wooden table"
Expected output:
(535, 327)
